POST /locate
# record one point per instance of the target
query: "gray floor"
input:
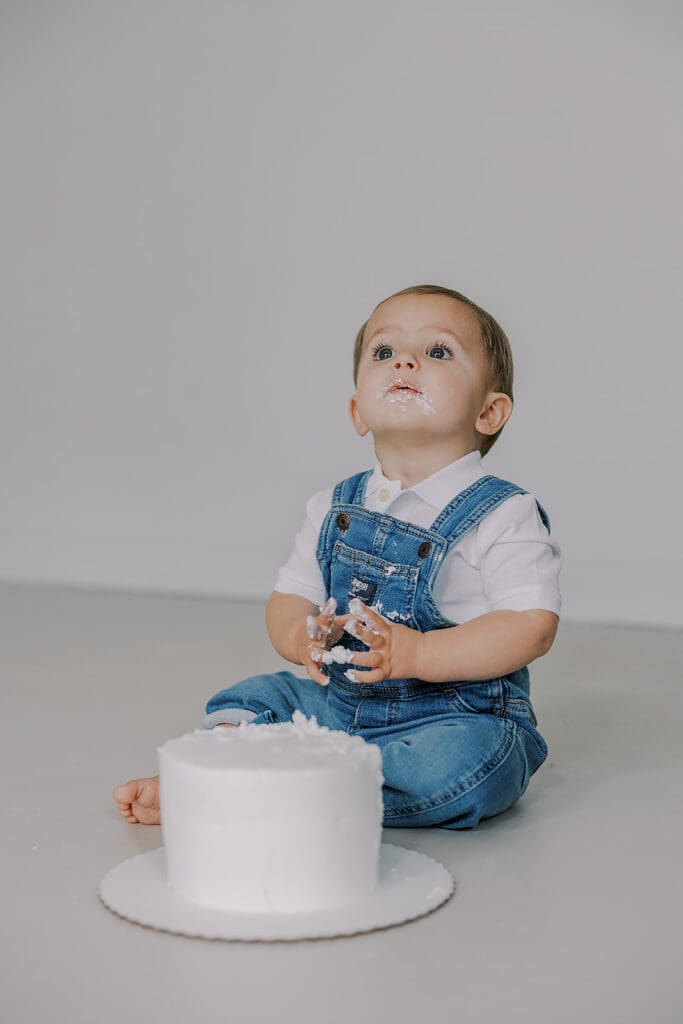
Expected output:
(568, 907)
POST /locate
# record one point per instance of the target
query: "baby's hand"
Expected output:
(393, 648)
(322, 633)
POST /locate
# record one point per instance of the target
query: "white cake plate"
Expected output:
(410, 885)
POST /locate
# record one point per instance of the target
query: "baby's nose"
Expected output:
(403, 359)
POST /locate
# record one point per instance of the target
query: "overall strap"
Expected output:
(347, 492)
(468, 508)
(352, 490)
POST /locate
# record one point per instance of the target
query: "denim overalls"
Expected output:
(452, 753)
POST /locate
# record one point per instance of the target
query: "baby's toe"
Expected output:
(126, 793)
(146, 801)
(126, 811)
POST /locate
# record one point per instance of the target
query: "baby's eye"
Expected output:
(440, 352)
(382, 352)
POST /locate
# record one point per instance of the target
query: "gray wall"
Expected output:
(202, 202)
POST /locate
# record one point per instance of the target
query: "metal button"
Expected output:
(343, 521)
(384, 494)
(424, 549)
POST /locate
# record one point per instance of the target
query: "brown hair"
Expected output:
(497, 351)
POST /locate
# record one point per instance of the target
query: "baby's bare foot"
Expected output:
(138, 801)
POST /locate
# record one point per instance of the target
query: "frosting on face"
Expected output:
(402, 391)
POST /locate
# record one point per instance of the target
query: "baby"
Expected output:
(417, 592)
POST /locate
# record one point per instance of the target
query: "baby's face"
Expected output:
(422, 370)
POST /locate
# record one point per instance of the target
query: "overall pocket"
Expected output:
(385, 586)
(483, 696)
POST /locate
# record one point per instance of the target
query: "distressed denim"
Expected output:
(452, 753)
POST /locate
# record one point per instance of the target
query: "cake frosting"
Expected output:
(271, 818)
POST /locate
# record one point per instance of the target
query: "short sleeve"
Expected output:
(301, 573)
(519, 560)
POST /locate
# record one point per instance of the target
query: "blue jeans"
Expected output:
(452, 754)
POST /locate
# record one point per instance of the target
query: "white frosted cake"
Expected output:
(266, 818)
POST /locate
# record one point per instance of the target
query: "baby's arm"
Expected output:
(300, 631)
(487, 647)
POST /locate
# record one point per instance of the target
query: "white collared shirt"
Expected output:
(507, 561)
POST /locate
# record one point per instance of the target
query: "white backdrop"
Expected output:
(202, 202)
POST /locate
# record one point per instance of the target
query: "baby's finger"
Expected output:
(337, 629)
(370, 619)
(338, 655)
(316, 675)
(372, 676)
(335, 635)
(367, 636)
(313, 628)
(312, 664)
(329, 608)
(368, 659)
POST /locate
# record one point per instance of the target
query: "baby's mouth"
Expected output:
(399, 391)
(400, 386)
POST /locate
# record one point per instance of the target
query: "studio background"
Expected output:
(202, 203)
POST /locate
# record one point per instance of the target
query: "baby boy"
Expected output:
(417, 592)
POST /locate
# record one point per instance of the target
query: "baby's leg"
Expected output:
(454, 773)
(138, 800)
(268, 698)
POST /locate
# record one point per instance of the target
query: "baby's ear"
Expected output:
(360, 427)
(496, 412)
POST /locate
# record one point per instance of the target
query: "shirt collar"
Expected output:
(438, 489)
